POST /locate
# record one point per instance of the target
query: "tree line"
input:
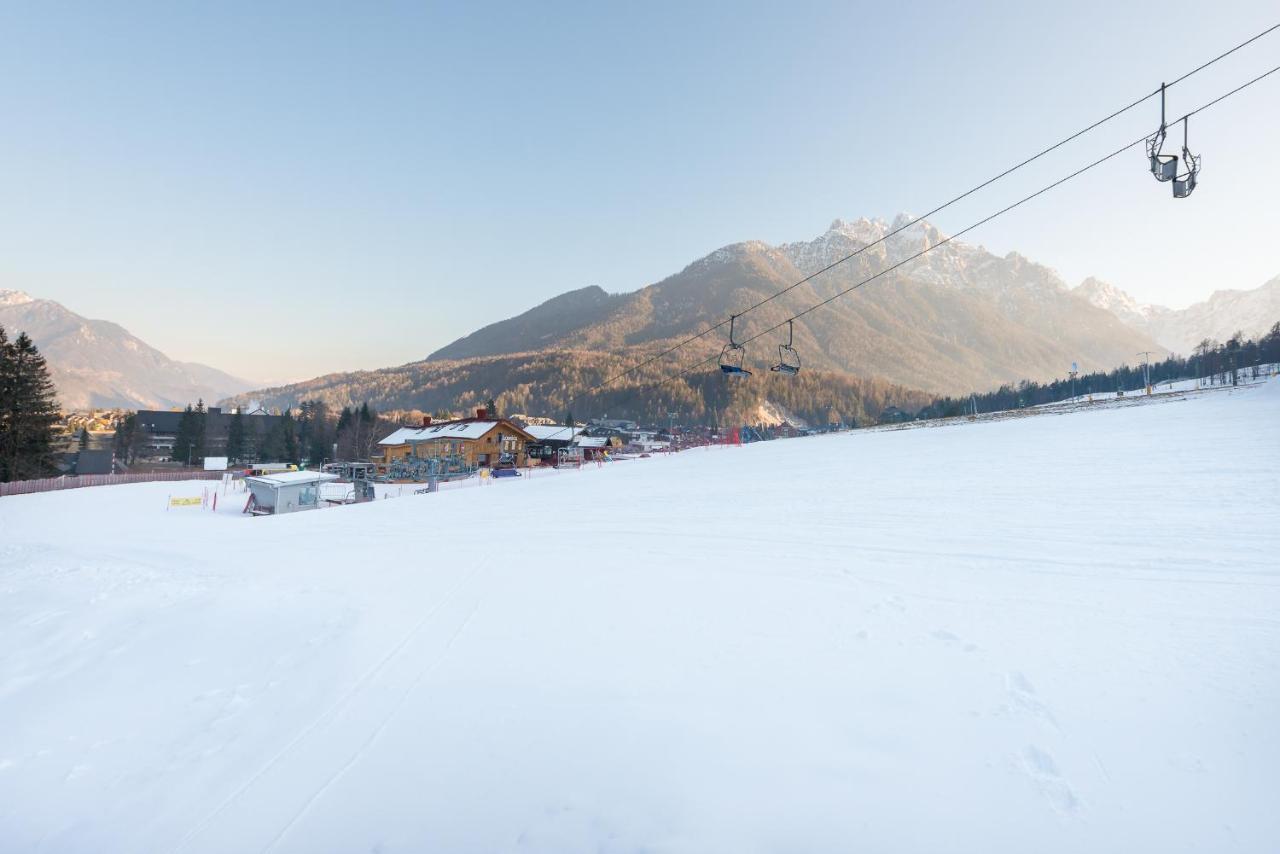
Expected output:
(1212, 362)
(311, 434)
(549, 383)
(28, 410)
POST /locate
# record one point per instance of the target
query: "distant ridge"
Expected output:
(96, 363)
(1219, 317)
(536, 328)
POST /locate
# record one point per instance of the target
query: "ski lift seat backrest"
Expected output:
(788, 357)
(1184, 185)
(1164, 166)
(788, 361)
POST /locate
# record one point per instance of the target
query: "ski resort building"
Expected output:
(549, 440)
(480, 441)
(160, 431)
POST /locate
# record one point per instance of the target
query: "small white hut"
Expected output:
(287, 492)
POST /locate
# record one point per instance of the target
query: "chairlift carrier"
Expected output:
(733, 354)
(1185, 184)
(788, 358)
(1163, 166)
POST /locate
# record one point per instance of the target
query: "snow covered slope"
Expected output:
(1053, 633)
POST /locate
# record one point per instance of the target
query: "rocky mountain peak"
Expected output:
(9, 297)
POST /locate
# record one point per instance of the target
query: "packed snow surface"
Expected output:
(1052, 633)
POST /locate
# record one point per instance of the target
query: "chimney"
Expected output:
(481, 413)
(426, 421)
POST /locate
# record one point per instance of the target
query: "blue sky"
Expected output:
(372, 181)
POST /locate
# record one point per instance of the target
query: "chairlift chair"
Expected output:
(1185, 184)
(788, 358)
(1163, 166)
(732, 355)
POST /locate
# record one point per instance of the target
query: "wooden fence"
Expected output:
(48, 484)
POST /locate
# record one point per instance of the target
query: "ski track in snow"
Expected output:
(326, 719)
(1048, 631)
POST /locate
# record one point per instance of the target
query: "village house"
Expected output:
(480, 442)
(597, 447)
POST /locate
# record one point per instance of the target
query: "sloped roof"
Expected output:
(448, 430)
(399, 437)
(542, 432)
(94, 462)
(591, 441)
(454, 430)
(293, 477)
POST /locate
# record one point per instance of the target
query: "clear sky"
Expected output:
(371, 181)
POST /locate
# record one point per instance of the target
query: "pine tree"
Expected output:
(84, 439)
(7, 379)
(236, 445)
(127, 439)
(273, 444)
(198, 424)
(316, 443)
(184, 442)
(28, 410)
(288, 437)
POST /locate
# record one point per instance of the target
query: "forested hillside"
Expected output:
(547, 383)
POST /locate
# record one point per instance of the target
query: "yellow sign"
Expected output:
(185, 502)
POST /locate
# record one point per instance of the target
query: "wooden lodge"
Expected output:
(480, 442)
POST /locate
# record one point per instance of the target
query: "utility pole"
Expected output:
(1146, 369)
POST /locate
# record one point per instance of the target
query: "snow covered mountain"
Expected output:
(1218, 318)
(96, 363)
(956, 319)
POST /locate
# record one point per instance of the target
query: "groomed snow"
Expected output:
(1053, 633)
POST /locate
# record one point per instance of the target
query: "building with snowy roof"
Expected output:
(286, 492)
(549, 440)
(479, 442)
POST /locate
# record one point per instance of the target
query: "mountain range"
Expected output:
(1218, 318)
(956, 319)
(98, 364)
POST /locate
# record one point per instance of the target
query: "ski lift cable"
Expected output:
(610, 380)
(938, 209)
(977, 224)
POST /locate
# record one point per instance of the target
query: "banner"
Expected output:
(186, 502)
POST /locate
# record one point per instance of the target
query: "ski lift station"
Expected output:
(287, 492)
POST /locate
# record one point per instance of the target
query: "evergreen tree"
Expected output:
(273, 444)
(84, 439)
(236, 440)
(127, 440)
(184, 442)
(288, 437)
(319, 441)
(28, 410)
(198, 424)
